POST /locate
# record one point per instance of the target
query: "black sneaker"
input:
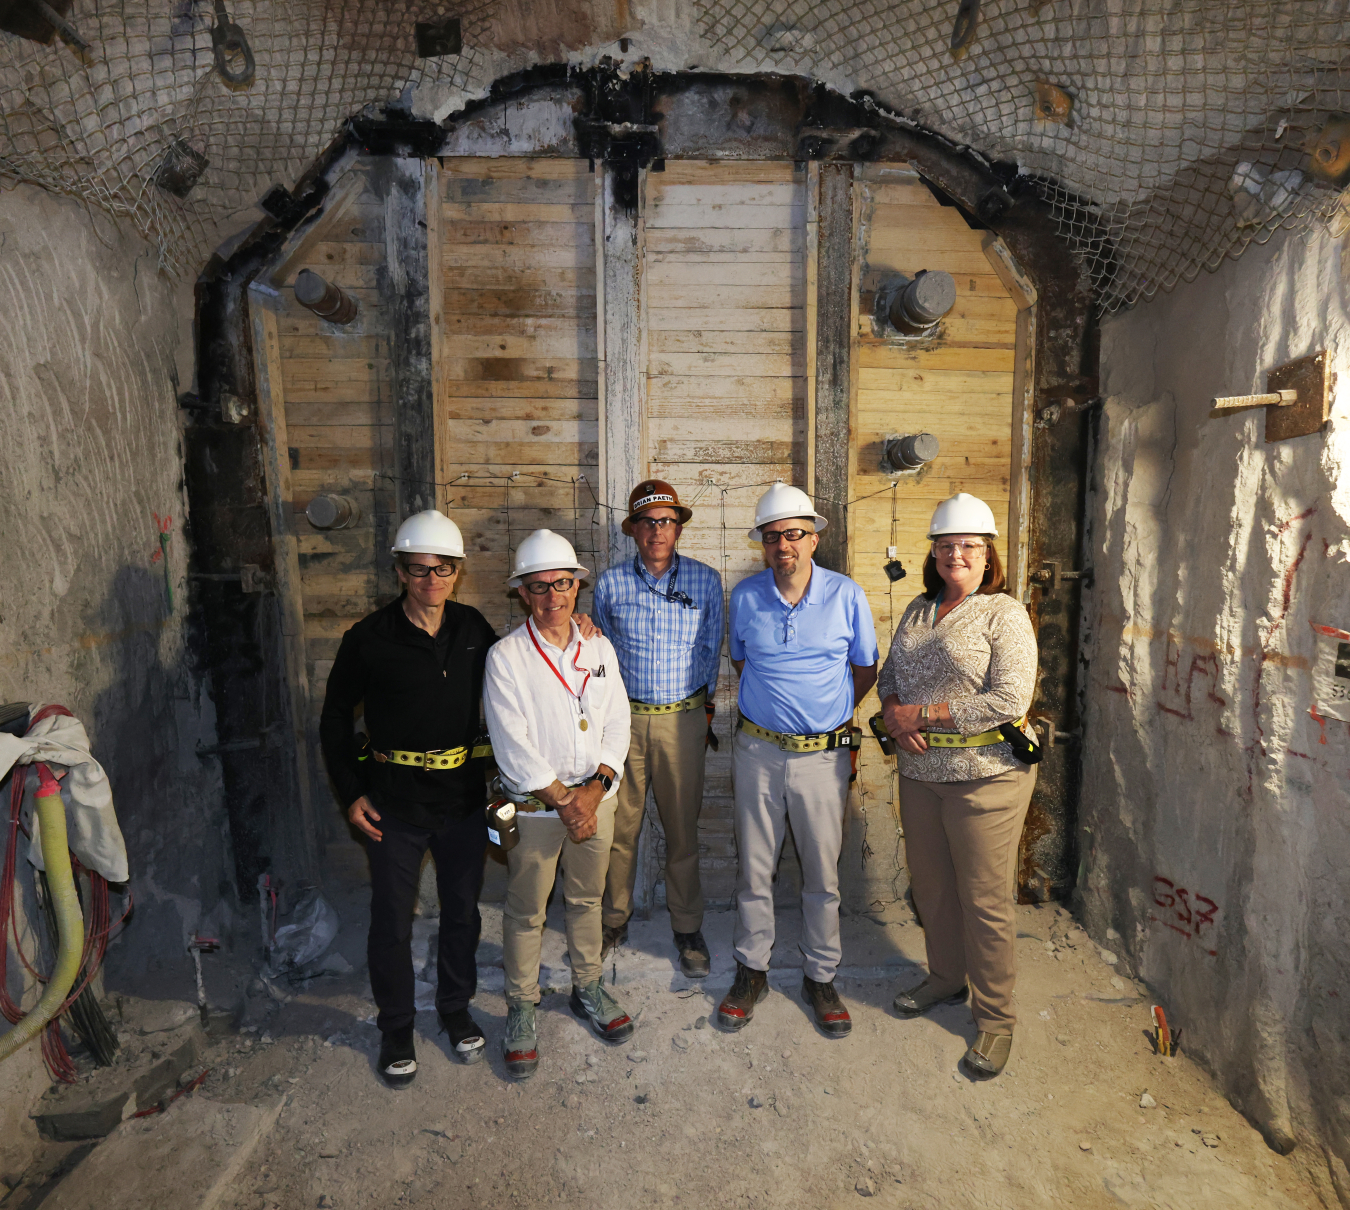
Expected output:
(465, 1036)
(398, 1057)
(695, 961)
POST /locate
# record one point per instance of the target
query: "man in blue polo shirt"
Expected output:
(802, 640)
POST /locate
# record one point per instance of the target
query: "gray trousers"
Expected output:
(811, 790)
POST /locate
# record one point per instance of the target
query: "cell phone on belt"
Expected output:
(883, 736)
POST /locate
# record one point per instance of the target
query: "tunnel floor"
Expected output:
(685, 1115)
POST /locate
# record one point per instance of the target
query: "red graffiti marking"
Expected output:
(1121, 690)
(1188, 917)
(1320, 721)
(1206, 666)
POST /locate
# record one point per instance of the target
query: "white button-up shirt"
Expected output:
(535, 722)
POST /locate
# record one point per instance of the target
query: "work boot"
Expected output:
(989, 1055)
(831, 1015)
(520, 1046)
(465, 1036)
(738, 1005)
(695, 961)
(594, 1004)
(612, 936)
(398, 1057)
(920, 999)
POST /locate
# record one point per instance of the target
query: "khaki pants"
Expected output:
(961, 846)
(810, 789)
(531, 868)
(666, 753)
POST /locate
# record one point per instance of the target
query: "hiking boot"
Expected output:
(920, 999)
(695, 961)
(520, 1046)
(989, 1055)
(831, 1015)
(738, 1005)
(398, 1057)
(594, 1004)
(465, 1036)
(611, 937)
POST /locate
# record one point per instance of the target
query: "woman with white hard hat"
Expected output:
(415, 668)
(558, 714)
(955, 690)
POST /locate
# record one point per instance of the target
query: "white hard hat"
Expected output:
(429, 533)
(962, 514)
(544, 550)
(781, 501)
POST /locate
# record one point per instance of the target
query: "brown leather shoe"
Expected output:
(989, 1055)
(831, 1015)
(738, 1005)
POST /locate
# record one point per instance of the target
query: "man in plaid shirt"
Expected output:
(663, 613)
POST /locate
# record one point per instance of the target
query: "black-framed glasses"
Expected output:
(420, 571)
(539, 587)
(654, 524)
(772, 537)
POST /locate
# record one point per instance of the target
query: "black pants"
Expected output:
(458, 848)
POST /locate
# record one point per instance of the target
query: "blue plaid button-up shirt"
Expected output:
(668, 648)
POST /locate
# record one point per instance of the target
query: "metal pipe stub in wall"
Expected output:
(332, 512)
(909, 452)
(326, 300)
(921, 303)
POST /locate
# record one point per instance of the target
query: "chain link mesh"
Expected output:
(1187, 137)
(1190, 122)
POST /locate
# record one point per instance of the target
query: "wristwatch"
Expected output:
(603, 779)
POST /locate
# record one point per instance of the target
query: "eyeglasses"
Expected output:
(965, 548)
(771, 537)
(654, 523)
(539, 587)
(420, 571)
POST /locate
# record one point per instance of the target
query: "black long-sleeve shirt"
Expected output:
(420, 694)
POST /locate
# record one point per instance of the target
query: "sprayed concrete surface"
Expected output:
(777, 1115)
(91, 347)
(1215, 797)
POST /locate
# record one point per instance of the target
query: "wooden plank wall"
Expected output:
(514, 353)
(725, 292)
(959, 387)
(336, 388)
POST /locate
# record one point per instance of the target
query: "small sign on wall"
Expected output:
(1331, 673)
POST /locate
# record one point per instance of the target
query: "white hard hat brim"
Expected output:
(426, 548)
(518, 579)
(821, 523)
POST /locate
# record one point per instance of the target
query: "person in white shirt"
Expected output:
(558, 714)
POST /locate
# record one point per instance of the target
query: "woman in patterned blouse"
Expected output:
(963, 662)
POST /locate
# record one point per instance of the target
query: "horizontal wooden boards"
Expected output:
(515, 346)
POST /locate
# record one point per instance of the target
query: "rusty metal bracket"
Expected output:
(1297, 399)
(1053, 735)
(1049, 578)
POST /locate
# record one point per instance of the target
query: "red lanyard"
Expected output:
(530, 627)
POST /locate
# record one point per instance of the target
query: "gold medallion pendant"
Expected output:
(583, 724)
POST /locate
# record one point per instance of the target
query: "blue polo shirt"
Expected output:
(797, 677)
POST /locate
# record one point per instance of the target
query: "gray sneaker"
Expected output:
(606, 1015)
(521, 1044)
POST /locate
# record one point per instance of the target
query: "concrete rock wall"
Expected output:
(1216, 803)
(91, 347)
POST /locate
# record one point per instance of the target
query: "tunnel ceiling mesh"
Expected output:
(1171, 134)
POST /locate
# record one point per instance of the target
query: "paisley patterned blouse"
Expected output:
(981, 658)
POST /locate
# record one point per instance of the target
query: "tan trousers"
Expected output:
(531, 869)
(666, 753)
(961, 844)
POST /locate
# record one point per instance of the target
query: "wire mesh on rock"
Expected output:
(1170, 135)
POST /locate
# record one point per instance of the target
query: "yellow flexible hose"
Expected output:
(51, 814)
